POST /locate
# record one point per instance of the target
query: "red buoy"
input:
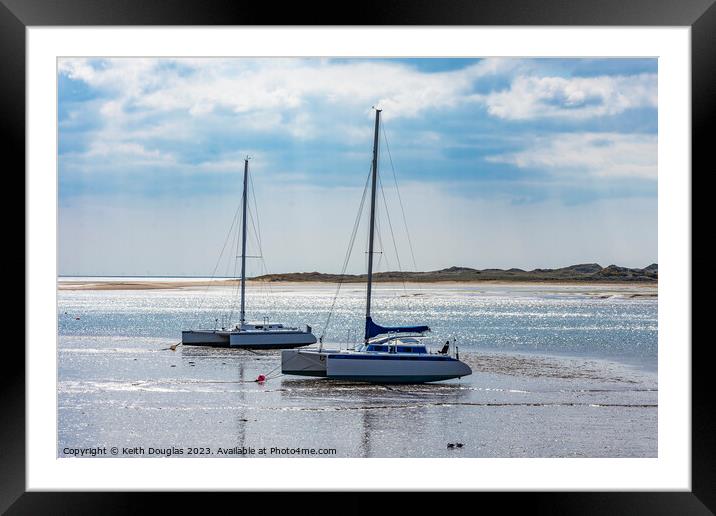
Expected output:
(261, 378)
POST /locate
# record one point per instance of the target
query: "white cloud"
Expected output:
(580, 97)
(199, 86)
(160, 103)
(131, 77)
(597, 154)
(107, 156)
(172, 100)
(103, 149)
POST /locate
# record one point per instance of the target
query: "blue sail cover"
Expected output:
(372, 329)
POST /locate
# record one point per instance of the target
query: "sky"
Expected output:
(499, 163)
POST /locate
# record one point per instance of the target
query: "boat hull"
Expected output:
(271, 340)
(378, 368)
(395, 368)
(205, 338)
(304, 362)
(248, 339)
(393, 379)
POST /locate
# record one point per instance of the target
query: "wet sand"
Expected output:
(511, 406)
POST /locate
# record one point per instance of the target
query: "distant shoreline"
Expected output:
(184, 285)
(581, 274)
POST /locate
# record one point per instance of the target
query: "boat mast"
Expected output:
(243, 244)
(372, 213)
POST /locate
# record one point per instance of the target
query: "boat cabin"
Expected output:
(262, 327)
(395, 345)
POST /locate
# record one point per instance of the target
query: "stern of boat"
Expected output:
(303, 362)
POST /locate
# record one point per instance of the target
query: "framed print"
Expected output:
(416, 254)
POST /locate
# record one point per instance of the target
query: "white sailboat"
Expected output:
(388, 354)
(247, 335)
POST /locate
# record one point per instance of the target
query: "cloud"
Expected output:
(606, 155)
(161, 126)
(303, 98)
(197, 110)
(256, 85)
(265, 92)
(131, 77)
(530, 97)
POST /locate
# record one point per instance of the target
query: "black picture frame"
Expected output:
(17, 15)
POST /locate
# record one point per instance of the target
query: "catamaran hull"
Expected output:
(248, 340)
(205, 338)
(395, 369)
(374, 369)
(271, 340)
(393, 379)
(303, 363)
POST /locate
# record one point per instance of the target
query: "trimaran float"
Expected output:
(388, 354)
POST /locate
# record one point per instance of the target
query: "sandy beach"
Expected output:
(605, 289)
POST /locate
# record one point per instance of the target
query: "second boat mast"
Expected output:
(243, 244)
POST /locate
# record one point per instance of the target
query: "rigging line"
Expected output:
(258, 232)
(230, 261)
(237, 286)
(256, 209)
(390, 225)
(235, 236)
(346, 260)
(261, 287)
(382, 254)
(349, 251)
(236, 263)
(255, 224)
(257, 239)
(400, 200)
(232, 300)
(216, 266)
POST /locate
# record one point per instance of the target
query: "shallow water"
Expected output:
(558, 371)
